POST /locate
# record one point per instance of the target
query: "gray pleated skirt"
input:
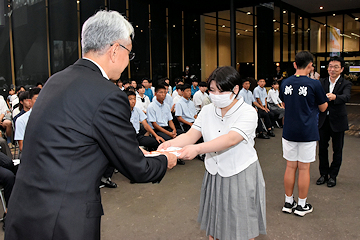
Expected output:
(233, 208)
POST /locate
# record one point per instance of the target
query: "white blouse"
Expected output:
(241, 118)
(273, 97)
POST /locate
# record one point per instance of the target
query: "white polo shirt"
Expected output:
(241, 118)
(20, 125)
(198, 99)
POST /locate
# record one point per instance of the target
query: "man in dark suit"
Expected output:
(333, 122)
(80, 123)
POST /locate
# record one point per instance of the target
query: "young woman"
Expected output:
(232, 201)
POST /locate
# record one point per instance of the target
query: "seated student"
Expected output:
(24, 106)
(151, 87)
(185, 109)
(274, 102)
(137, 118)
(39, 85)
(133, 83)
(175, 93)
(160, 117)
(194, 86)
(179, 93)
(7, 179)
(168, 99)
(15, 101)
(249, 99)
(21, 122)
(148, 91)
(142, 101)
(5, 119)
(126, 84)
(177, 81)
(264, 112)
(199, 96)
(119, 83)
(9, 98)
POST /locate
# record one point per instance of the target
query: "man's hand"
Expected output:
(266, 109)
(172, 160)
(331, 96)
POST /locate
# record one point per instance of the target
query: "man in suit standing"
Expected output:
(333, 122)
(80, 123)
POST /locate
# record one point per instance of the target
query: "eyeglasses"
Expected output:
(334, 67)
(131, 54)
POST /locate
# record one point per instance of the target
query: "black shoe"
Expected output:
(271, 133)
(107, 183)
(301, 211)
(263, 135)
(180, 162)
(331, 182)
(323, 179)
(289, 208)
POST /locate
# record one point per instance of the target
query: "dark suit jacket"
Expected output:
(80, 123)
(337, 109)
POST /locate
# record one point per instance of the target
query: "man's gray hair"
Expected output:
(103, 29)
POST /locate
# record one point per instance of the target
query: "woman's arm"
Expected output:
(218, 144)
(191, 137)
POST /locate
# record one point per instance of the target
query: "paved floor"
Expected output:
(169, 210)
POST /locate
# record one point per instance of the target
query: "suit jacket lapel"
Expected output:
(338, 85)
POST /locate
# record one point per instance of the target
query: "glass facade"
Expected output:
(42, 37)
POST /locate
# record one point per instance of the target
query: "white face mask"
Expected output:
(222, 100)
(187, 69)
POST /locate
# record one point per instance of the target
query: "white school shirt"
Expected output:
(241, 118)
(260, 92)
(273, 97)
(20, 125)
(140, 104)
(198, 99)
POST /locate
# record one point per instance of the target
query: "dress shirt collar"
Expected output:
(101, 69)
(158, 103)
(185, 100)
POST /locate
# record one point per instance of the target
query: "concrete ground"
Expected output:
(169, 210)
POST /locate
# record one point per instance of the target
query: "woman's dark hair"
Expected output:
(139, 85)
(274, 83)
(22, 97)
(226, 78)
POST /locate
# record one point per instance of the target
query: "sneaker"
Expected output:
(301, 211)
(288, 207)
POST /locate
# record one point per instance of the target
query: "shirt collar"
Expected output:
(101, 69)
(335, 80)
(158, 103)
(185, 100)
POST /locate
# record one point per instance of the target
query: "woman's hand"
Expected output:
(189, 152)
(164, 145)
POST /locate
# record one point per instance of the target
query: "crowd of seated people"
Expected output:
(14, 113)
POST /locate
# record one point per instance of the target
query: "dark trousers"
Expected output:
(167, 137)
(337, 144)
(7, 175)
(147, 141)
(267, 116)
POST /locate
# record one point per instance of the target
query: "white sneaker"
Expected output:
(301, 211)
(288, 207)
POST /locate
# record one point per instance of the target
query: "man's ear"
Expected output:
(294, 64)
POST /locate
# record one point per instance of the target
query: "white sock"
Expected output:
(302, 202)
(289, 199)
